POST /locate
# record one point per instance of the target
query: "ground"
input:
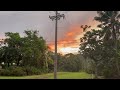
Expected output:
(61, 75)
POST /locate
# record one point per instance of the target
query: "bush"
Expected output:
(16, 71)
(32, 70)
(4, 72)
(50, 65)
(70, 65)
(20, 71)
(110, 73)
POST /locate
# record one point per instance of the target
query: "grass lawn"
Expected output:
(61, 75)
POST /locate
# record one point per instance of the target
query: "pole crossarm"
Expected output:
(58, 16)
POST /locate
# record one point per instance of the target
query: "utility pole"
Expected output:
(56, 18)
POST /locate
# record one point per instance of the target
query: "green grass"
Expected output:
(61, 75)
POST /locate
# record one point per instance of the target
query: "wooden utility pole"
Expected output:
(56, 18)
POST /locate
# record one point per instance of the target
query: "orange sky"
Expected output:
(70, 43)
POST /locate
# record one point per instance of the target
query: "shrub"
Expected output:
(70, 66)
(16, 71)
(4, 72)
(20, 71)
(109, 73)
(35, 71)
(50, 65)
(32, 70)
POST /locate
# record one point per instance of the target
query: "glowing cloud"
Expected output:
(71, 41)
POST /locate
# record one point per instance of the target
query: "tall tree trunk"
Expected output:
(8, 64)
(46, 64)
(18, 63)
(96, 72)
(115, 46)
(96, 67)
(11, 64)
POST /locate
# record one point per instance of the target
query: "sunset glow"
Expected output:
(69, 50)
(70, 43)
(68, 36)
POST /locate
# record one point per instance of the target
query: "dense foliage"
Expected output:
(102, 46)
(28, 51)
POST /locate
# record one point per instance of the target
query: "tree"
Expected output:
(34, 50)
(70, 63)
(103, 48)
(92, 47)
(10, 51)
(111, 26)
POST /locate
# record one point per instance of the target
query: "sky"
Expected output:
(69, 31)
